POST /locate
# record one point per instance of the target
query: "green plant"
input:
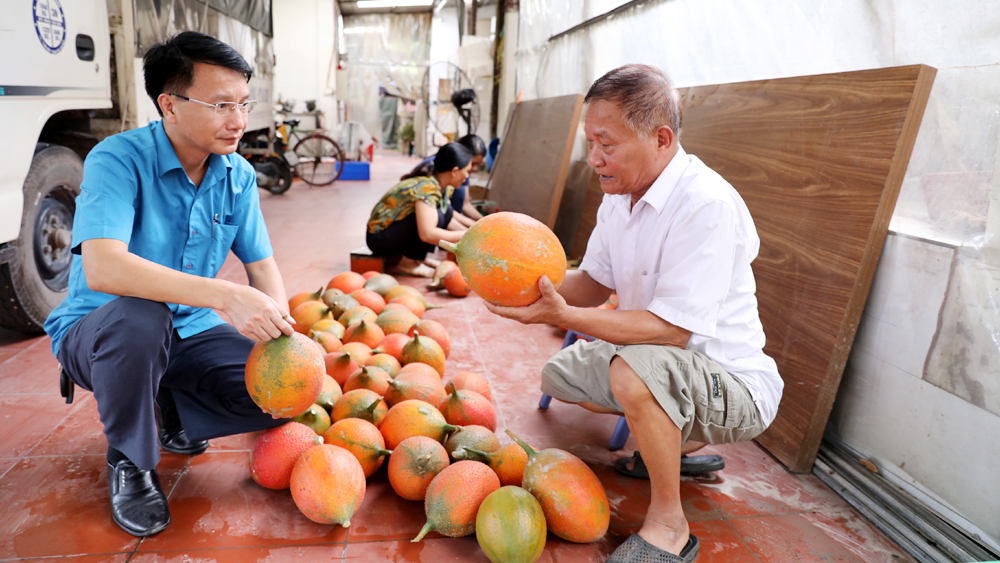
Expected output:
(406, 133)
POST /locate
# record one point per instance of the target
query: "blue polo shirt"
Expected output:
(135, 190)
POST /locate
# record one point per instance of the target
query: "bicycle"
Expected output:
(317, 158)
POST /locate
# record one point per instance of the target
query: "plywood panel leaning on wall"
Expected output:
(819, 161)
(531, 168)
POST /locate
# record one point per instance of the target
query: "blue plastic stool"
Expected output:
(621, 433)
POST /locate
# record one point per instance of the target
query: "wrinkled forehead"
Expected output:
(604, 119)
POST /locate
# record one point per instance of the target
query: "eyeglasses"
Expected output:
(223, 108)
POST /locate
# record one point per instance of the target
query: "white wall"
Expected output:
(304, 34)
(921, 393)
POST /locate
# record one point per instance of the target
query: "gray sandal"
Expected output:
(637, 550)
(693, 465)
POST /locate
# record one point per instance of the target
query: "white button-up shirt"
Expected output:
(683, 253)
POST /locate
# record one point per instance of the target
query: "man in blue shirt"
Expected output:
(159, 210)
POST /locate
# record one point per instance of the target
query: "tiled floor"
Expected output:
(53, 489)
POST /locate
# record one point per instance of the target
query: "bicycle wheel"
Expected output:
(319, 158)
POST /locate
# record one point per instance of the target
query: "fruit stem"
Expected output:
(449, 246)
(528, 449)
(383, 452)
(373, 406)
(476, 453)
(423, 531)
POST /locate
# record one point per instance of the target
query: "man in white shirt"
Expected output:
(682, 358)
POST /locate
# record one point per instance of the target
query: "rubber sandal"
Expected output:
(637, 550)
(421, 271)
(701, 464)
(690, 465)
(638, 470)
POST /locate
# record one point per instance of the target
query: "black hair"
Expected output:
(169, 66)
(451, 156)
(474, 143)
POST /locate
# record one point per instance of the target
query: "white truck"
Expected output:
(71, 75)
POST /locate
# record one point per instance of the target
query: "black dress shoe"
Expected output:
(176, 441)
(138, 504)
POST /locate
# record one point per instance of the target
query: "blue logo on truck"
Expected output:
(50, 24)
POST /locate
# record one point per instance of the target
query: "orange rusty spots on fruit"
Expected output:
(284, 376)
(413, 465)
(362, 439)
(454, 496)
(360, 403)
(413, 418)
(368, 377)
(309, 313)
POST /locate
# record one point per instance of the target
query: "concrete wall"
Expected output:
(304, 38)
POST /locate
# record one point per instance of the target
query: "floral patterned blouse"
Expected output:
(400, 202)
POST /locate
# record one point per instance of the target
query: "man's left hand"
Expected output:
(548, 309)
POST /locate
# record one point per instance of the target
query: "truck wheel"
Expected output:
(35, 281)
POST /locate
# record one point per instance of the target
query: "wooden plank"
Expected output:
(530, 171)
(588, 218)
(819, 161)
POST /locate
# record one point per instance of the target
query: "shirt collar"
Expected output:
(664, 185)
(167, 160)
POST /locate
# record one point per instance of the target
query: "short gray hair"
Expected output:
(645, 94)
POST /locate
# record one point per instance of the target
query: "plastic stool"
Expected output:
(621, 433)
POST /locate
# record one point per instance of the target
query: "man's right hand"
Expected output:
(255, 314)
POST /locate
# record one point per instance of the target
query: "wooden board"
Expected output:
(819, 161)
(531, 168)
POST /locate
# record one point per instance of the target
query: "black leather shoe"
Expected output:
(176, 441)
(170, 432)
(138, 504)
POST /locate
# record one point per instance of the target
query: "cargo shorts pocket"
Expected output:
(724, 408)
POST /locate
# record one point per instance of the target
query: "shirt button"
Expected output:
(194, 232)
(189, 265)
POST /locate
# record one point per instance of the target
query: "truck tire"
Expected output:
(35, 281)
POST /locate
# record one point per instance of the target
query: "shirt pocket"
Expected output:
(221, 245)
(646, 281)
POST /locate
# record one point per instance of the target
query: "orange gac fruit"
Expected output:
(340, 365)
(359, 352)
(365, 332)
(302, 297)
(327, 340)
(392, 344)
(275, 452)
(456, 284)
(368, 275)
(434, 330)
(309, 313)
(503, 256)
(330, 393)
(414, 304)
(572, 498)
(471, 381)
(315, 418)
(395, 292)
(425, 350)
(510, 526)
(413, 418)
(464, 407)
(387, 362)
(405, 388)
(471, 437)
(413, 465)
(393, 321)
(347, 282)
(442, 270)
(454, 496)
(508, 462)
(284, 375)
(360, 403)
(368, 377)
(362, 439)
(369, 298)
(327, 325)
(328, 484)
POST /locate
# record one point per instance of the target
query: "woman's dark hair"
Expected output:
(450, 156)
(475, 144)
(169, 66)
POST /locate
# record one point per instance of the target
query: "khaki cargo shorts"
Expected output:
(703, 400)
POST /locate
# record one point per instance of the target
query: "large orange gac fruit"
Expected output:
(285, 375)
(413, 465)
(504, 254)
(328, 484)
(454, 496)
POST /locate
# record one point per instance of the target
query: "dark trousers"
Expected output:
(402, 237)
(128, 353)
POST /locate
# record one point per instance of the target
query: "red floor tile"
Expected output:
(438, 550)
(244, 555)
(27, 419)
(216, 504)
(59, 506)
(80, 433)
(34, 370)
(17, 340)
(384, 515)
(101, 558)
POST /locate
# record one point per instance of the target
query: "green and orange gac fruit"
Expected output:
(464, 407)
(330, 393)
(414, 463)
(413, 418)
(454, 496)
(328, 484)
(573, 500)
(362, 439)
(503, 256)
(508, 462)
(434, 330)
(478, 438)
(302, 297)
(423, 349)
(360, 403)
(275, 452)
(315, 418)
(284, 375)
(510, 526)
